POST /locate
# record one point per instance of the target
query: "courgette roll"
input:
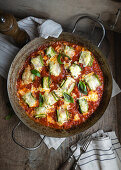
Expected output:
(92, 81)
(75, 70)
(37, 63)
(68, 85)
(29, 99)
(46, 82)
(69, 51)
(85, 58)
(55, 68)
(42, 111)
(27, 76)
(49, 98)
(62, 115)
(83, 105)
(50, 52)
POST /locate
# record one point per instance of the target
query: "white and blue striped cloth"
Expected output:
(104, 152)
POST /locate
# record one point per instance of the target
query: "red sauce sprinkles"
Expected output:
(35, 86)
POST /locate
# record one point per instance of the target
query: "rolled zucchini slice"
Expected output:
(46, 82)
(42, 111)
(92, 81)
(62, 116)
(75, 70)
(37, 62)
(27, 76)
(50, 52)
(83, 105)
(68, 85)
(69, 51)
(29, 99)
(85, 58)
(49, 98)
(55, 68)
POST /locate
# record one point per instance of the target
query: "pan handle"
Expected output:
(27, 148)
(93, 19)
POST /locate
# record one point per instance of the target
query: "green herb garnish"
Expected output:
(59, 59)
(41, 100)
(82, 87)
(68, 98)
(35, 72)
(8, 117)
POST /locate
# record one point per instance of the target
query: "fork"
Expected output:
(69, 162)
(83, 147)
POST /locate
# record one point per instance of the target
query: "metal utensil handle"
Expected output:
(93, 19)
(67, 164)
(27, 148)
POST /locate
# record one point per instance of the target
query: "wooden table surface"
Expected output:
(12, 157)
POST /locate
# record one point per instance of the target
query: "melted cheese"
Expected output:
(53, 59)
(50, 119)
(67, 65)
(22, 91)
(66, 105)
(73, 95)
(76, 117)
(92, 96)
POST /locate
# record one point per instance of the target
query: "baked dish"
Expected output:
(60, 85)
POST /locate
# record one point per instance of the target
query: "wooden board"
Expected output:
(12, 157)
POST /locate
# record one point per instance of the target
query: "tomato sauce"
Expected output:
(55, 81)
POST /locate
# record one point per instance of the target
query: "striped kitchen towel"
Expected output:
(104, 152)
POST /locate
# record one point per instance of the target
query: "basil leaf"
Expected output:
(82, 87)
(35, 72)
(59, 59)
(68, 98)
(40, 100)
(8, 117)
